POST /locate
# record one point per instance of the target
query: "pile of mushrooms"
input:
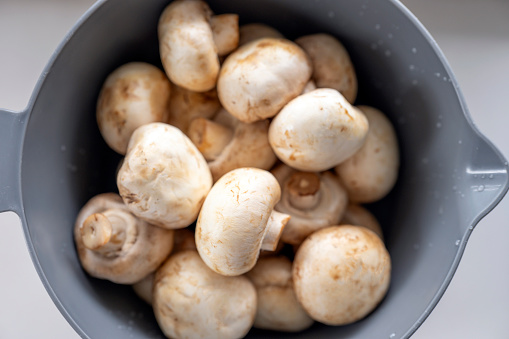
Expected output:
(240, 196)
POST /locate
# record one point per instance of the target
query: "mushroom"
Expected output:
(133, 95)
(237, 220)
(341, 273)
(358, 215)
(191, 301)
(262, 76)
(113, 244)
(185, 106)
(317, 131)
(332, 67)
(225, 32)
(164, 178)
(371, 173)
(313, 200)
(144, 288)
(187, 47)
(227, 143)
(255, 31)
(277, 309)
(183, 240)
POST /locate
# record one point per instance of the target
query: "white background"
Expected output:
(474, 35)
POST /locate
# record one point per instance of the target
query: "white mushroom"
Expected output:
(225, 31)
(278, 309)
(183, 241)
(113, 244)
(360, 216)
(371, 173)
(133, 95)
(237, 220)
(317, 130)
(164, 178)
(341, 273)
(144, 288)
(227, 143)
(191, 301)
(185, 106)
(262, 76)
(313, 200)
(332, 67)
(255, 31)
(187, 47)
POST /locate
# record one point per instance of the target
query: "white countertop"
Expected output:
(474, 36)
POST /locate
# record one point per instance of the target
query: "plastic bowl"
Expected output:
(450, 177)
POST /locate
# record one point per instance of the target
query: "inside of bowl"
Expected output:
(425, 218)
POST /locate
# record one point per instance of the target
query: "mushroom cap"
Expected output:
(145, 248)
(185, 106)
(358, 215)
(184, 240)
(249, 146)
(260, 77)
(332, 66)
(372, 172)
(144, 287)
(328, 206)
(234, 220)
(255, 31)
(164, 178)
(225, 30)
(341, 273)
(187, 47)
(191, 301)
(133, 95)
(278, 308)
(317, 130)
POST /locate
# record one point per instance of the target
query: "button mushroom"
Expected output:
(183, 240)
(237, 220)
(278, 309)
(317, 130)
(187, 47)
(133, 95)
(225, 32)
(191, 301)
(228, 144)
(332, 67)
(371, 173)
(313, 200)
(113, 244)
(262, 76)
(164, 178)
(255, 31)
(358, 215)
(185, 106)
(341, 273)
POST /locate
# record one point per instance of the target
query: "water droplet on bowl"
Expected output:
(392, 335)
(414, 82)
(439, 124)
(416, 246)
(490, 176)
(480, 188)
(377, 27)
(390, 35)
(458, 242)
(414, 50)
(437, 74)
(63, 148)
(425, 160)
(411, 67)
(387, 53)
(460, 142)
(331, 14)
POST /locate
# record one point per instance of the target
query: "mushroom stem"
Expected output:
(304, 190)
(209, 137)
(275, 225)
(105, 232)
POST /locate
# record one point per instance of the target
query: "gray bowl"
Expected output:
(451, 176)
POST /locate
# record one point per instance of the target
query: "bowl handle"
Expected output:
(12, 127)
(487, 180)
